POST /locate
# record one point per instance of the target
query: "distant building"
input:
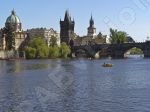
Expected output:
(91, 29)
(19, 34)
(67, 28)
(44, 33)
(92, 37)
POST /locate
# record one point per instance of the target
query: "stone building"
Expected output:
(44, 33)
(91, 37)
(19, 34)
(67, 28)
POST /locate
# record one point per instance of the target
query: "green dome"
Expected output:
(13, 18)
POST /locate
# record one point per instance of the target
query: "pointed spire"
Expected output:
(91, 17)
(91, 21)
(67, 17)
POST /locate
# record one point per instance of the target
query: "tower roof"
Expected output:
(13, 18)
(91, 21)
(67, 16)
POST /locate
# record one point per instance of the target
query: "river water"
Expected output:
(75, 86)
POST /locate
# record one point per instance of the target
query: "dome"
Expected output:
(13, 18)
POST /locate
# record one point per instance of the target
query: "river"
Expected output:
(75, 85)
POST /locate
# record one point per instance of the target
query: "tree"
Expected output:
(53, 41)
(118, 36)
(54, 52)
(30, 52)
(64, 50)
(42, 52)
(40, 46)
(9, 37)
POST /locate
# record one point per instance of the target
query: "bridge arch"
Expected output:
(133, 51)
(102, 53)
(81, 53)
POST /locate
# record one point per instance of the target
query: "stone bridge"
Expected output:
(113, 50)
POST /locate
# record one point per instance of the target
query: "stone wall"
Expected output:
(6, 54)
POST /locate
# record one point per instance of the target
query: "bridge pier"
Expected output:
(147, 50)
(118, 54)
(147, 53)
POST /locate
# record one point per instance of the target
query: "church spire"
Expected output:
(91, 21)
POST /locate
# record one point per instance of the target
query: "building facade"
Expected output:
(19, 35)
(67, 28)
(44, 33)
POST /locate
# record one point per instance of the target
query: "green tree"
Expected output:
(9, 37)
(42, 52)
(54, 52)
(53, 41)
(64, 50)
(40, 46)
(30, 52)
(117, 36)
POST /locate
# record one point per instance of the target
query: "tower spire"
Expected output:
(67, 16)
(91, 21)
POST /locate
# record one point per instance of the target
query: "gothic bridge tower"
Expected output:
(67, 28)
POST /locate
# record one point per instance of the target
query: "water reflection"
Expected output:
(74, 86)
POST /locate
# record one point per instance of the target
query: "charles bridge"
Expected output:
(112, 50)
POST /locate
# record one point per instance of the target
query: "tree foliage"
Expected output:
(9, 37)
(118, 36)
(53, 41)
(40, 47)
(37, 48)
(30, 52)
(64, 50)
(54, 52)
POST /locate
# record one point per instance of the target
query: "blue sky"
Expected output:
(132, 16)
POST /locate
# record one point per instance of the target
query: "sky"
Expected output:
(131, 16)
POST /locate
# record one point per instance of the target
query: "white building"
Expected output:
(44, 33)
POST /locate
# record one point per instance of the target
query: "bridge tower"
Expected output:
(67, 28)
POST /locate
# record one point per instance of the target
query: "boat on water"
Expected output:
(107, 65)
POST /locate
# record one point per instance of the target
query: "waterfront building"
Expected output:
(44, 33)
(67, 28)
(19, 34)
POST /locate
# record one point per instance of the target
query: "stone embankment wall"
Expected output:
(7, 54)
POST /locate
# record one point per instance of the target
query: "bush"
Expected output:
(54, 52)
(30, 52)
(64, 50)
(40, 48)
(42, 52)
(37, 48)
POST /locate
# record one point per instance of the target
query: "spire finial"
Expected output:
(91, 17)
(13, 12)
